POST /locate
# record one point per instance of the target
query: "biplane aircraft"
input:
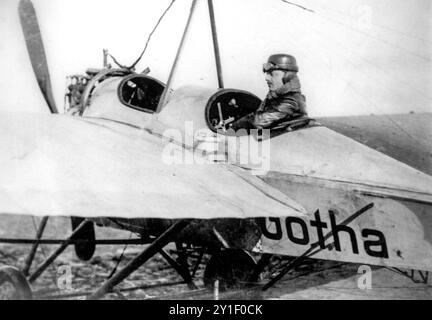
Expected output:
(164, 165)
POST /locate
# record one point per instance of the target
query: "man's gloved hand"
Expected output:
(245, 122)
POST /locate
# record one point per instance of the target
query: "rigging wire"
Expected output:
(347, 81)
(366, 34)
(378, 39)
(364, 98)
(116, 62)
(114, 270)
(401, 128)
(368, 99)
(132, 66)
(297, 5)
(399, 32)
(151, 33)
(376, 66)
(356, 67)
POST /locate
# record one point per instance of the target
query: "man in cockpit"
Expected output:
(284, 101)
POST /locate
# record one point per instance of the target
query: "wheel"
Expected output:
(13, 285)
(233, 269)
(84, 250)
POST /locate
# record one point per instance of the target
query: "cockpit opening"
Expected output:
(140, 92)
(229, 105)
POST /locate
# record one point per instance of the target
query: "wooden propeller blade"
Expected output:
(36, 51)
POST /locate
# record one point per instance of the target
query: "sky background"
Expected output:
(355, 56)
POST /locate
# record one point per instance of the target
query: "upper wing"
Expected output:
(59, 165)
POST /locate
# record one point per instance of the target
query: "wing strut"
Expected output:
(164, 96)
(215, 44)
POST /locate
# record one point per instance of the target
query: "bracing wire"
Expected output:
(114, 270)
(116, 62)
(388, 43)
(407, 83)
(376, 66)
(297, 5)
(346, 79)
(151, 33)
(390, 29)
(362, 72)
(378, 39)
(400, 128)
(364, 98)
(132, 66)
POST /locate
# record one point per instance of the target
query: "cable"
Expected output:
(377, 66)
(347, 80)
(368, 35)
(346, 59)
(377, 80)
(345, 13)
(299, 6)
(401, 129)
(121, 66)
(377, 39)
(116, 62)
(113, 271)
(151, 33)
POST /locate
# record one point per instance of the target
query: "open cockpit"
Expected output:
(140, 92)
(133, 98)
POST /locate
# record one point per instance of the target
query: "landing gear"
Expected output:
(233, 268)
(13, 285)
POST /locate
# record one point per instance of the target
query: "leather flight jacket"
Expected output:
(284, 104)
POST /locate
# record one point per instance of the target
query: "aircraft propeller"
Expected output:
(36, 51)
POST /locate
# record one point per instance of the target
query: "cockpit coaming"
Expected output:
(228, 105)
(124, 96)
(140, 92)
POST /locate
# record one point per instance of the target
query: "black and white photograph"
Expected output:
(213, 150)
